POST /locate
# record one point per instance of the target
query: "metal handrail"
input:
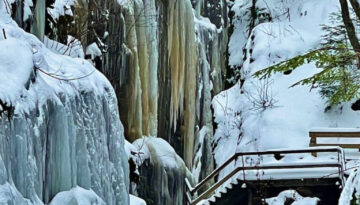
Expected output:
(192, 190)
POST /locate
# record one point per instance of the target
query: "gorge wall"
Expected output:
(56, 133)
(164, 58)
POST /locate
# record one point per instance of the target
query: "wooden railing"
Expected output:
(191, 191)
(335, 133)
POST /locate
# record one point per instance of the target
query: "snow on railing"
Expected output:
(352, 185)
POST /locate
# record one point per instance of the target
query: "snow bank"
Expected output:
(77, 196)
(16, 65)
(159, 151)
(291, 194)
(23, 56)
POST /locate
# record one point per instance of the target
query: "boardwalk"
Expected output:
(315, 171)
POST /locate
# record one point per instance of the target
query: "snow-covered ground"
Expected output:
(267, 114)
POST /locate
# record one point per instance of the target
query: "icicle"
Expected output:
(38, 27)
(153, 55)
(182, 60)
(140, 27)
(133, 92)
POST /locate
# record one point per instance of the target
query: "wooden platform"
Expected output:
(232, 189)
(340, 133)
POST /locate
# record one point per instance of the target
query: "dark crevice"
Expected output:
(7, 110)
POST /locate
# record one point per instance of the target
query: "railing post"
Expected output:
(312, 143)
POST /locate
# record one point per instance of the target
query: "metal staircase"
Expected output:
(239, 186)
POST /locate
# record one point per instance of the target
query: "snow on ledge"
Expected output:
(334, 129)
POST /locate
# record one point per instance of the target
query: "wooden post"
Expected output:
(312, 143)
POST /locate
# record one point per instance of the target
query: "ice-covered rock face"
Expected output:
(64, 129)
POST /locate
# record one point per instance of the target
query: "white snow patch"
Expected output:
(16, 64)
(291, 194)
(93, 50)
(159, 150)
(77, 196)
(129, 148)
(204, 22)
(134, 200)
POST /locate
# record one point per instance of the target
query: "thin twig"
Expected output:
(64, 79)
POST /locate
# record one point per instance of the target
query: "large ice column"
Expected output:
(135, 81)
(133, 88)
(182, 63)
(146, 32)
(151, 18)
(142, 52)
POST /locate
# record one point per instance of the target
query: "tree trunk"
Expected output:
(356, 6)
(349, 26)
(253, 16)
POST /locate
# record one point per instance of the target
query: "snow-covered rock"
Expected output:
(162, 172)
(77, 196)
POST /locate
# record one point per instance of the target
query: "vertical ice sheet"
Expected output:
(67, 142)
